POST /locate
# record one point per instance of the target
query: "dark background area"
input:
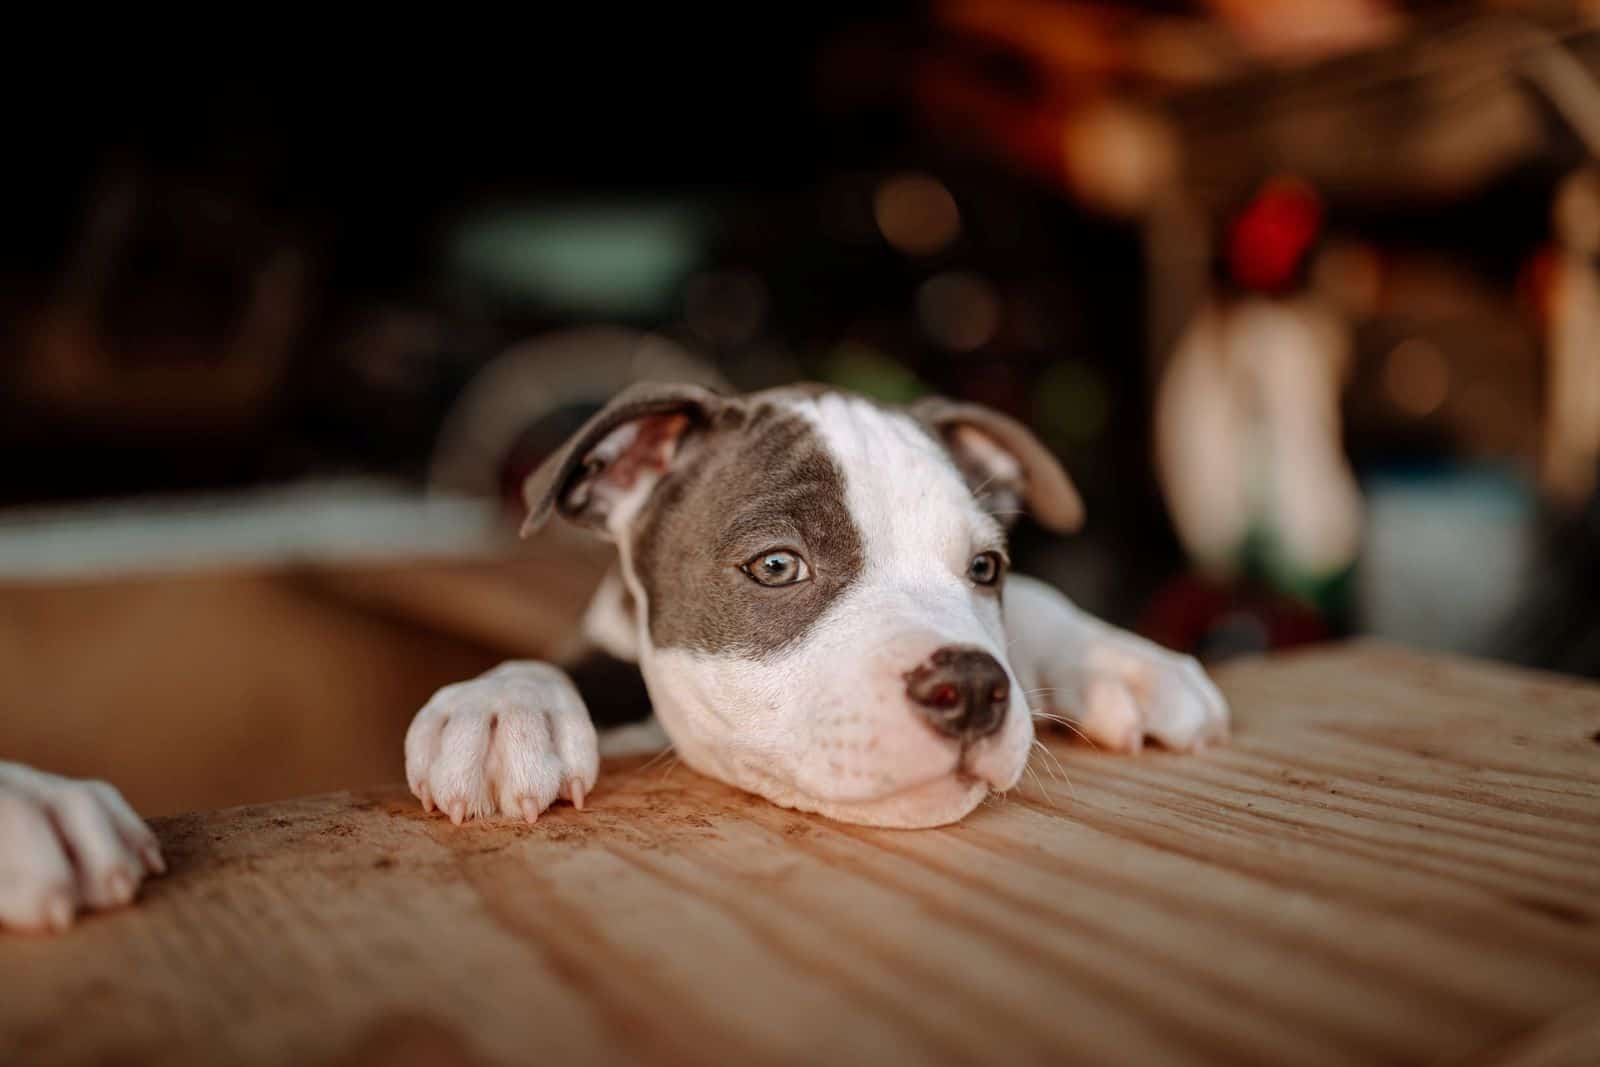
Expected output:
(260, 304)
(161, 207)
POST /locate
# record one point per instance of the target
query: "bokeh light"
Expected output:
(916, 214)
(1416, 377)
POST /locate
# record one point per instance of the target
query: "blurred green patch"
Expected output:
(1072, 404)
(613, 260)
(870, 372)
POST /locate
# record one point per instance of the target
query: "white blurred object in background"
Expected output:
(1248, 436)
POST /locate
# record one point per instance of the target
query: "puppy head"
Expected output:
(817, 585)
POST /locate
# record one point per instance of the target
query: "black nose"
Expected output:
(962, 692)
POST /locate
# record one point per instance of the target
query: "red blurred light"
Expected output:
(1269, 240)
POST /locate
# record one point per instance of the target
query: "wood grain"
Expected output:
(279, 680)
(1397, 860)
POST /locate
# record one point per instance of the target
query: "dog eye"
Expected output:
(777, 566)
(986, 568)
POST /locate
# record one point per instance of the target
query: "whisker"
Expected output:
(657, 758)
(1060, 720)
(1050, 755)
(1038, 784)
(1040, 746)
(1064, 776)
(1075, 728)
(1068, 723)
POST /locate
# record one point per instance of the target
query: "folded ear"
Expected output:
(622, 450)
(1004, 463)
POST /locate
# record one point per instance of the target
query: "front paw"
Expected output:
(1132, 689)
(511, 741)
(66, 845)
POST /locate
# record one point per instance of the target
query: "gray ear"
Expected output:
(636, 434)
(1003, 462)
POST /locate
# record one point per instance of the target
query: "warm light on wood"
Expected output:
(1395, 861)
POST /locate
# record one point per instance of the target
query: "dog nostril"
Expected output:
(963, 692)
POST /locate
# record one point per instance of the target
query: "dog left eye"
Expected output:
(777, 567)
(986, 568)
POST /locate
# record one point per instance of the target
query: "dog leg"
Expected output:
(66, 845)
(609, 623)
(1116, 687)
(509, 741)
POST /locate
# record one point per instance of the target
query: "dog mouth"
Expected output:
(959, 775)
(888, 774)
(967, 765)
(936, 801)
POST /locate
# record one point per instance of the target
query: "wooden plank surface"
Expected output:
(1397, 860)
(279, 681)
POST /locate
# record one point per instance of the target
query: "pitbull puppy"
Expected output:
(815, 588)
(67, 845)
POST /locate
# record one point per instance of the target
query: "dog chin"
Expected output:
(939, 802)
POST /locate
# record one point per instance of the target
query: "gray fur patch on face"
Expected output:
(755, 480)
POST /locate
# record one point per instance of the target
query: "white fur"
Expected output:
(825, 725)
(66, 845)
(606, 622)
(1117, 687)
(511, 740)
(1247, 421)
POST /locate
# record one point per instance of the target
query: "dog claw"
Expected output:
(458, 813)
(120, 886)
(575, 791)
(426, 797)
(58, 911)
(154, 860)
(530, 810)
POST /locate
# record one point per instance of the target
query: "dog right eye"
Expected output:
(776, 566)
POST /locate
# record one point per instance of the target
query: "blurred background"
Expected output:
(1306, 293)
